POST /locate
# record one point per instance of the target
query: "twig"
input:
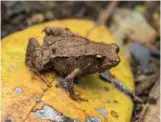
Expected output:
(153, 50)
(137, 99)
(119, 85)
(142, 113)
(105, 14)
(145, 85)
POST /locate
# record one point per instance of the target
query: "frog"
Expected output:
(70, 55)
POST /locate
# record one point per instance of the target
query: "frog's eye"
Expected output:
(99, 57)
(117, 50)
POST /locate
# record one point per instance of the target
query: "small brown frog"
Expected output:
(70, 55)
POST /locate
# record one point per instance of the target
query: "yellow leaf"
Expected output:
(22, 90)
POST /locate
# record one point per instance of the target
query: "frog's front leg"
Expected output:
(70, 85)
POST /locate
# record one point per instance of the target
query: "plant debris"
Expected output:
(132, 24)
(141, 55)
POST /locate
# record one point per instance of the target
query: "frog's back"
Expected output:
(76, 47)
(65, 43)
(76, 53)
(70, 51)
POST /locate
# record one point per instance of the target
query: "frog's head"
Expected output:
(111, 57)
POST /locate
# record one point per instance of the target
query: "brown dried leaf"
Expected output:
(153, 113)
(155, 92)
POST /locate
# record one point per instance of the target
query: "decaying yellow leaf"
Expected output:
(25, 98)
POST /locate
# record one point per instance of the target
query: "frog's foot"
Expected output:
(72, 94)
(77, 98)
(41, 77)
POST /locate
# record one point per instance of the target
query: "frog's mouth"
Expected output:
(108, 63)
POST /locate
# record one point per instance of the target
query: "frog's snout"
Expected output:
(115, 48)
(115, 57)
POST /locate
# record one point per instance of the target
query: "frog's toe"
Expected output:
(77, 98)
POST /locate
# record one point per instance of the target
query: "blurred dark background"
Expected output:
(17, 15)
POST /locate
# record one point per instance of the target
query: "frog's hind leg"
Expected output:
(32, 45)
(57, 31)
(41, 77)
(70, 85)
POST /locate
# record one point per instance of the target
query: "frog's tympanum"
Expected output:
(70, 55)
